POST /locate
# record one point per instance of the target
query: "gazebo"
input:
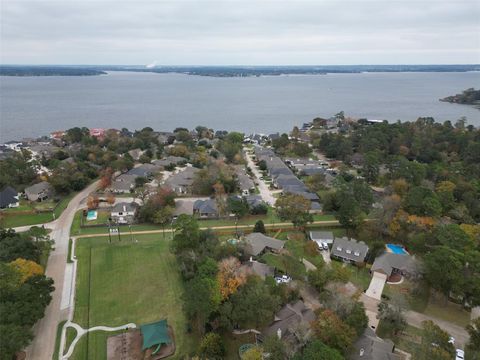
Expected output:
(155, 334)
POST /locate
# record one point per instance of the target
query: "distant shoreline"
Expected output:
(226, 71)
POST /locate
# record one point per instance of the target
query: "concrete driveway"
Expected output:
(376, 286)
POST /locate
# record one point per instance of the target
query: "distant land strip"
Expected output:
(224, 71)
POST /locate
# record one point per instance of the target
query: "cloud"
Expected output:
(240, 32)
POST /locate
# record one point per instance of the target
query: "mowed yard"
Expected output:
(127, 282)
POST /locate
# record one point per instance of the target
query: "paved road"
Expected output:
(265, 191)
(415, 319)
(42, 346)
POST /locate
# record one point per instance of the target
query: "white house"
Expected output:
(124, 213)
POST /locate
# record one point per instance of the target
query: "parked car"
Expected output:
(325, 245)
(284, 279)
(459, 354)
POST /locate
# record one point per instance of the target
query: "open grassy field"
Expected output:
(125, 282)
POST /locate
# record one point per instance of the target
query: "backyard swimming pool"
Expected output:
(91, 215)
(397, 249)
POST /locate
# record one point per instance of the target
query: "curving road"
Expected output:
(42, 346)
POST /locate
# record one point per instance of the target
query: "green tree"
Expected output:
(357, 318)
(474, 331)
(201, 298)
(259, 227)
(163, 217)
(433, 334)
(253, 305)
(392, 316)
(211, 347)
(186, 235)
(294, 208)
(317, 350)
(332, 331)
(444, 278)
(275, 348)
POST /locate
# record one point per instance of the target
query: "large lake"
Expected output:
(34, 106)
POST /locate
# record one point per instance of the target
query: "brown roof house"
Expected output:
(257, 243)
(290, 320)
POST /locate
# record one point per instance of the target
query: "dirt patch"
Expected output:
(125, 346)
(128, 346)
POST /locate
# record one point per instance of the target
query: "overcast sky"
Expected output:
(240, 32)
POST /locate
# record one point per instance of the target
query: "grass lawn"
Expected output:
(426, 303)
(57, 339)
(360, 277)
(14, 217)
(127, 282)
(124, 230)
(233, 342)
(14, 220)
(409, 340)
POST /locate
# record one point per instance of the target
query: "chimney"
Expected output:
(279, 333)
(362, 352)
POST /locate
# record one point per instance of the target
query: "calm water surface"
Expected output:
(34, 106)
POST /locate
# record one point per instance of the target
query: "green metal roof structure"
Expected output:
(155, 334)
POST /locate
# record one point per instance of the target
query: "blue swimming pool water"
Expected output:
(397, 249)
(91, 215)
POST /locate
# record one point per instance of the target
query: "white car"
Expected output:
(325, 246)
(459, 354)
(284, 279)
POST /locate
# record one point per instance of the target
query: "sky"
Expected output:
(240, 32)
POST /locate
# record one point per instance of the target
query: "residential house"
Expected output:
(287, 320)
(182, 181)
(135, 154)
(14, 145)
(97, 133)
(259, 269)
(258, 243)
(322, 237)
(253, 201)
(9, 198)
(245, 183)
(349, 250)
(205, 209)
(370, 347)
(391, 264)
(57, 135)
(183, 206)
(123, 183)
(144, 170)
(124, 213)
(39, 192)
(44, 150)
(170, 160)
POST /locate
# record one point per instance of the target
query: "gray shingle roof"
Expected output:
(370, 347)
(208, 206)
(38, 188)
(257, 242)
(321, 235)
(349, 249)
(8, 196)
(259, 269)
(389, 261)
(288, 317)
(125, 207)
